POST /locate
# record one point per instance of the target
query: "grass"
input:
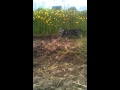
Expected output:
(48, 21)
(62, 64)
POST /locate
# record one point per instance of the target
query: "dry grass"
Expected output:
(59, 64)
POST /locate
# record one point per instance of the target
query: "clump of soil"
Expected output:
(57, 64)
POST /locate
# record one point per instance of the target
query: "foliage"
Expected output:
(48, 21)
(72, 8)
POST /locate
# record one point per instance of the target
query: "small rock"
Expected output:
(56, 57)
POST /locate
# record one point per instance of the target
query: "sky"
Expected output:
(79, 4)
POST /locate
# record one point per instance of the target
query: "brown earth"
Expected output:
(57, 64)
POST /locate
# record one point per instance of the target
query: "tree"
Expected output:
(72, 8)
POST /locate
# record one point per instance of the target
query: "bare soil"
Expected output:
(58, 65)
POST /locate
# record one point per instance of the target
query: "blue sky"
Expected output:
(79, 4)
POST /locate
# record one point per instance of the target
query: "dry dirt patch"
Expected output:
(58, 66)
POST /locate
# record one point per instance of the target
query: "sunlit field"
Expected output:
(48, 21)
(59, 64)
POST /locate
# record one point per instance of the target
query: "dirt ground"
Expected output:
(58, 65)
